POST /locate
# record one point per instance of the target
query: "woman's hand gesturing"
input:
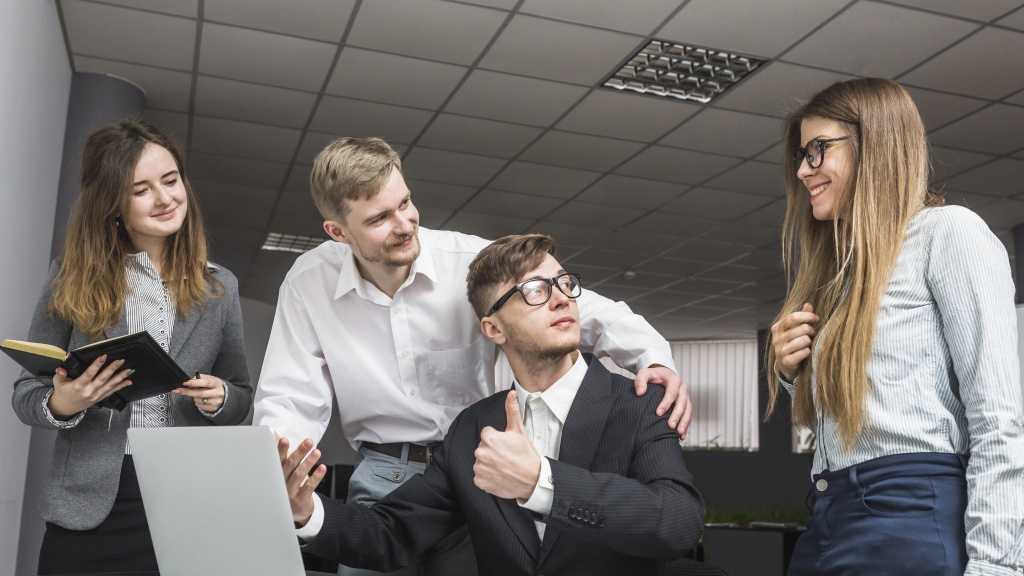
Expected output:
(791, 340)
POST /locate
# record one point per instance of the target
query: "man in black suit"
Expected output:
(592, 482)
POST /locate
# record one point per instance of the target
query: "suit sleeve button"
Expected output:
(572, 512)
(600, 521)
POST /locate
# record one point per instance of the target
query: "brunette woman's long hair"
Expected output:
(90, 288)
(842, 266)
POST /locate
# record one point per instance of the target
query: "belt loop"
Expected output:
(405, 453)
(428, 451)
(853, 477)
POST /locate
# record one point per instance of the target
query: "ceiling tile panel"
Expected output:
(1014, 20)
(559, 51)
(755, 27)
(625, 115)
(622, 16)
(172, 124)
(704, 251)
(450, 167)
(115, 33)
(1003, 214)
(715, 204)
(983, 11)
(580, 151)
(165, 89)
(290, 224)
(514, 98)
(607, 259)
(486, 225)
(475, 135)
(948, 162)
(512, 204)
(994, 130)
(753, 177)
(986, 65)
(641, 280)
(434, 218)
(543, 180)
(1002, 177)
(673, 225)
(241, 171)
(186, 8)
(674, 267)
(674, 165)
(347, 117)
(776, 88)
(938, 109)
(298, 179)
(771, 214)
(900, 39)
(568, 234)
(252, 102)
(595, 215)
(631, 192)
(263, 57)
(408, 81)
(426, 29)
(969, 200)
(647, 243)
(726, 132)
(244, 139)
(226, 196)
(317, 19)
(440, 196)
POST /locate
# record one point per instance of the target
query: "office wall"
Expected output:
(36, 78)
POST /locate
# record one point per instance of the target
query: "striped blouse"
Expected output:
(944, 376)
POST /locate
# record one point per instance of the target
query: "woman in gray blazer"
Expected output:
(135, 259)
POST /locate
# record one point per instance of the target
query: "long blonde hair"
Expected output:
(842, 266)
(90, 287)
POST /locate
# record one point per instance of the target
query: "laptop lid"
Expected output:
(216, 501)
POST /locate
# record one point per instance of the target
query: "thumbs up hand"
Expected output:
(507, 465)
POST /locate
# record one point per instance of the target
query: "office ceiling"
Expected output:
(496, 109)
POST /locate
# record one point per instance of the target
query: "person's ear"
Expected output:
(491, 327)
(335, 231)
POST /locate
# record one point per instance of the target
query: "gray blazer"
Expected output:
(83, 476)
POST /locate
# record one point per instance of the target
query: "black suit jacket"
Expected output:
(623, 498)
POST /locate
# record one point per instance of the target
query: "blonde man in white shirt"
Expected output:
(590, 482)
(379, 319)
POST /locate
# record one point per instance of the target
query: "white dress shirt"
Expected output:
(554, 404)
(402, 368)
(944, 377)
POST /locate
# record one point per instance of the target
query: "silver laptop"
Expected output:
(216, 501)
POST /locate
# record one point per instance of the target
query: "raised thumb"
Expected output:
(512, 415)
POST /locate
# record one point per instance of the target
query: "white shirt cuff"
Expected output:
(312, 528)
(652, 357)
(543, 493)
(71, 423)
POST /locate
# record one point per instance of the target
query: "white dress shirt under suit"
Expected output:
(944, 375)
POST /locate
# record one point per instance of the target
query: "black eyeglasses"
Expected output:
(814, 152)
(537, 291)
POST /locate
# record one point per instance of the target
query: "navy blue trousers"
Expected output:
(901, 515)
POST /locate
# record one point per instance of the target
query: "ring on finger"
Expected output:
(206, 400)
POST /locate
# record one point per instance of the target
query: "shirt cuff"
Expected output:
(652, 357)
(65, 424)
(312, 528)
(543, 493)
(982, 568)
(222, 404)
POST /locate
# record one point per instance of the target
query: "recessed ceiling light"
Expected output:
(682, 71)
(291, 242)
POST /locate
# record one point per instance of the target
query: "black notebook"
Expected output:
(155, 371)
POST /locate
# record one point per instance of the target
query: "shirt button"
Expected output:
(551, 479)
(821, 485)
(404, 354)
(412, 392)
(442, 420)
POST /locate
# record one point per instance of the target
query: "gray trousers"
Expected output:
(375, 476)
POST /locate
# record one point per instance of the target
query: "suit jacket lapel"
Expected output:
(517, 517)
(584, 427)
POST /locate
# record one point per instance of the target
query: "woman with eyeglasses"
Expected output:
(898, 344)
(135, 259)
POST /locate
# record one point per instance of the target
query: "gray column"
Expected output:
(1018, 250)
(95, 99)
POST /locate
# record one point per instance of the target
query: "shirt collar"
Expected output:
(560, 395)
(350, 279)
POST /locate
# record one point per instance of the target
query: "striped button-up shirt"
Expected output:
(944, 376)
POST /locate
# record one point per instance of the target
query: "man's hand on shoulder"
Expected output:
(676, 391)
(507, 464)
(297, 480)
